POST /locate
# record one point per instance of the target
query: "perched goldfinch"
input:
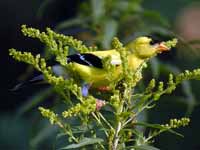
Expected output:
(89, 66)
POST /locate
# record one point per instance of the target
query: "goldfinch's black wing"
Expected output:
(86, 59)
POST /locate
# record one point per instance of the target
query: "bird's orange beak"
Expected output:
(161, 47)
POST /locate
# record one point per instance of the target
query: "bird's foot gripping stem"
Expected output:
(99, 103)
(104, 88)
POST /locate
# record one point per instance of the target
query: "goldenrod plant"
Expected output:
(107, 115)
(96, 22)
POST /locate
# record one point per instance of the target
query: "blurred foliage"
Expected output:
(96, 23)
(85, 121)
(99, 21)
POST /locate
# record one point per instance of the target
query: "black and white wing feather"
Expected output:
(86, 59)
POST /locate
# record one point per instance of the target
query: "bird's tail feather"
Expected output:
(23, 84)
(57, 70)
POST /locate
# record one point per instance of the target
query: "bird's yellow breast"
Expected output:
(134, 62)
(101, 77)
(96, 76)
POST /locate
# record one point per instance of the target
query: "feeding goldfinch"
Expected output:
(89, 66)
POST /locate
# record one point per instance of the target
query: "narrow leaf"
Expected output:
(83, 142)
(158, 126)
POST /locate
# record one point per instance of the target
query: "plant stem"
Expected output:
(102, 117)
(118, 129)
(129, 120)
(67, 132)
(116, 136)
(99, 121)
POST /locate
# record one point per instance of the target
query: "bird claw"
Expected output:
(104, 88)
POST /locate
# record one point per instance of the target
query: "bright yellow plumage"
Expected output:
(140, 50)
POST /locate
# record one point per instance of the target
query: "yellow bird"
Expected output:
(90, 68)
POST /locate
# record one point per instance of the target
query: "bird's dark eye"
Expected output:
(152, 42)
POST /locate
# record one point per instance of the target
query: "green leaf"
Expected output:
(145, 147)
(174, 132)
(158, 126)
(83, 142)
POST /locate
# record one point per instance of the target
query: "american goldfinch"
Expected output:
(89, 66)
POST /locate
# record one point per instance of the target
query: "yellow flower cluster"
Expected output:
(53, 118)
(87, 106)
(176, 123)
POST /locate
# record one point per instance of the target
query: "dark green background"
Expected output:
(15, 134)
